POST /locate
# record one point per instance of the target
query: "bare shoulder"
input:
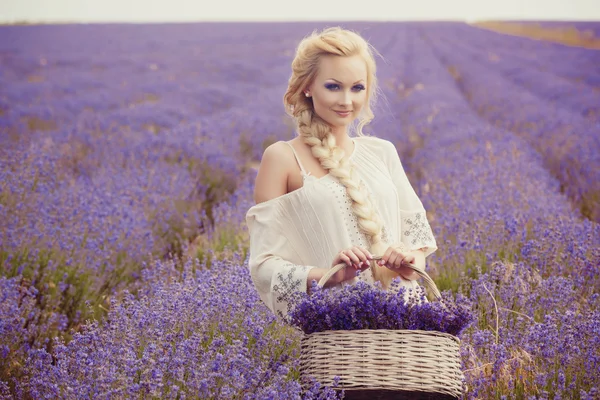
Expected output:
(273, 172)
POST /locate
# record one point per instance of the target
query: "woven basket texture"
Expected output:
(369, 360)
(382, 363)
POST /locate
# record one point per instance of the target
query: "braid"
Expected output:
(317, 134)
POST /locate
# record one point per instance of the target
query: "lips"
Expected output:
(343, 113)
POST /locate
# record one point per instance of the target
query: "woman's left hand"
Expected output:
(397, 259)
(394, 258)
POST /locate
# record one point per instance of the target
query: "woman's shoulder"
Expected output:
(266, 215)
(374, 141)
(379, 146)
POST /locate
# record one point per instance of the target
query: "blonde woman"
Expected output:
(331, 195)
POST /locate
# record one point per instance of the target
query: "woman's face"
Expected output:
(339, 90)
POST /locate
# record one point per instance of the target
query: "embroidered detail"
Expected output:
(384, 234)
(350, 219)
(287, 284)
(416, 230)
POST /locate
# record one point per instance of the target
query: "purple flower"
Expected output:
(363, 306)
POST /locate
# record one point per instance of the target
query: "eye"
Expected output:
(335, 86)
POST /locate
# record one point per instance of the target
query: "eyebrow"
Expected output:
(360, 80)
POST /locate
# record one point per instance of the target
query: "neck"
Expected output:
(343, 141)
(341, 136)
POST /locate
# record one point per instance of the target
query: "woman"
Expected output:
(329, 197)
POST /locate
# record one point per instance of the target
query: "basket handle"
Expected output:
(429, 283)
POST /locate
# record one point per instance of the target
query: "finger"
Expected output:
(403, 258)
(367, 253)
(349, 258)
(404, 261)
(360, 254)
(344, 258)
(409, 259)
(365, 266)
(394, 260)
(353, 256)
(386, 256)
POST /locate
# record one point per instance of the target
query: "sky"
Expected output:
(287, 10)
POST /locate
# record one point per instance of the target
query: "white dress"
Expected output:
(306, 228)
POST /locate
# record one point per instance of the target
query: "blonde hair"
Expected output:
(317, 134)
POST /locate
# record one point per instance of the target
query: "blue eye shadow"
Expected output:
(333, 86)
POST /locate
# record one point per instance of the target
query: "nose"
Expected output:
(345, 99)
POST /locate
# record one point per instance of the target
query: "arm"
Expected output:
(275, 277)
(272, 177)
(271, 182)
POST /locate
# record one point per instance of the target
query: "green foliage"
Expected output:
(65, 282)
(221, 243)
(589, 205)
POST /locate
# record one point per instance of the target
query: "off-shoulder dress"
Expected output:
(307, 227)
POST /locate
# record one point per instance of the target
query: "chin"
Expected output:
(340, 124)
(338, 127)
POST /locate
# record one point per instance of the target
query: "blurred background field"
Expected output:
(580, 33)
(127, 160)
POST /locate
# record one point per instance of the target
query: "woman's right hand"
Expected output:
(356, 258)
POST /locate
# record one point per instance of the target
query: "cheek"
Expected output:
(326, 99)
(360, 101)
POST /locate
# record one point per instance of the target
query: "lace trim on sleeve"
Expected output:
(416, 231)
(289, 280)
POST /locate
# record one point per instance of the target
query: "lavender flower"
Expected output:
(365, 306)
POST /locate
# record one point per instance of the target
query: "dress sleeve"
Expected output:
(415, 230)
(274, 276)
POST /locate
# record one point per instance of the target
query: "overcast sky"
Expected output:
(273, 10)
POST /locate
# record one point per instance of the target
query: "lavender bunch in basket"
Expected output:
(363, 306)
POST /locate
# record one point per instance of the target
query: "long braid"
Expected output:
(317, 134)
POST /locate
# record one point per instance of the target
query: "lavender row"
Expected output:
(433, 116)
(525, 259)
(525, 67)
(568, 144)
(548, 56)
(192, 333)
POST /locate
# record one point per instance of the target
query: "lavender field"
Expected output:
(127, 161)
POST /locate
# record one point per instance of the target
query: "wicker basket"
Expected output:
(381, 363)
